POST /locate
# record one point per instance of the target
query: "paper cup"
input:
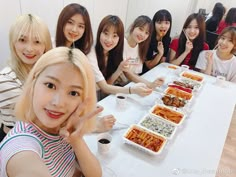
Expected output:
(220, 80)
(121, 101)
(104, 142)
(184, 67)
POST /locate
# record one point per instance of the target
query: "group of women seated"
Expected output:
(51, 86)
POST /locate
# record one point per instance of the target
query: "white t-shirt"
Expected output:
(92, 57)
(226, 68)
(132, 53)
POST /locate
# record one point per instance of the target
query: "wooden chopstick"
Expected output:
(215, 47)
(186, 35)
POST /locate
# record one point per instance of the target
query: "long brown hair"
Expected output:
(86, 41)
(143, 46)
(198, 42)
(115, 56)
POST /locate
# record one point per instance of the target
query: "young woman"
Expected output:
(107, 56)
(186, 48)
(217, 14)
(230, 20)
(222, 60)
(160, 39)
(29, 38)
(74, 28)
(135, 49)
(109, 49)
(55, 113)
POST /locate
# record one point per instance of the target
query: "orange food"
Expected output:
(172, 67)
(162, 33)
(179, 93)
(193, 76)
(168, 114)
(145, 139)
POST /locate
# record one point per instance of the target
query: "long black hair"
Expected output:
(161, 15)
(198, 42)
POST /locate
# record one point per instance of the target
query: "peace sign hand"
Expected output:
(73, 128)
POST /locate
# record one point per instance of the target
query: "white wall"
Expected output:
(127, 10)
(209, 4)
(8, 12)
(49, 11)
(179, 10)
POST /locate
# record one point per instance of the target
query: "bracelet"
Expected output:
(129, 90)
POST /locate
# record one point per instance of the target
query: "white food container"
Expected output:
(166, 117)
(159, 126)
(155, 138)
(181, 92)
(192, 74)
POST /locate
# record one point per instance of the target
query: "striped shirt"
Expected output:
(56, 153)
(10, 89)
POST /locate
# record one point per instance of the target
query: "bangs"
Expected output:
(109, 26)
(142, 21)
(143, 24)
(163, 18)
(31, 30)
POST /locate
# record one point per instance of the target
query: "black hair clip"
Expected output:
(70, 54)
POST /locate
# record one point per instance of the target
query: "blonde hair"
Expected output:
(34, 27)
(24, 107)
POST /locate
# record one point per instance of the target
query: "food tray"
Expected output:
(187, 83)
(192, 76)
(144, 140)
(158, 126)
(180, 87)
(179, 93)
(167, 114)
(197, 86)
(173, 101)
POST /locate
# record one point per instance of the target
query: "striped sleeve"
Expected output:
(15, 144)
(10, 87)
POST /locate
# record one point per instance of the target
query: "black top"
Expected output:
(212, 24)
(152, 51)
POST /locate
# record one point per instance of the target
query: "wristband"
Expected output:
(129, 90)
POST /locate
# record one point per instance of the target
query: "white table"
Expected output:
(196, 148)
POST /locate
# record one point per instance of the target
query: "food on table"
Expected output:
(158, 126)
(180, 88)
(170, 100)
(178, 93)
(168, 114)
(145, 139)
(195, 85)
(186, 85)
(192, 76)
(172, 67)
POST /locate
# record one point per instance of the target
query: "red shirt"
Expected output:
(174, 46)
(223, 25)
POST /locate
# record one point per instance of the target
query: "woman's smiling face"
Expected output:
(56, 96)
(29, 48)
(74, 29)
